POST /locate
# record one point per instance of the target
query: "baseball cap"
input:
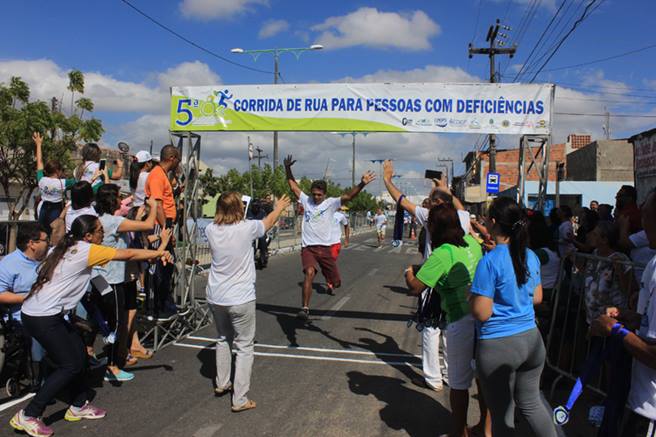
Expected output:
(143, 156)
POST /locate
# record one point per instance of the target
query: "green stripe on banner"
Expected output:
(203, 118)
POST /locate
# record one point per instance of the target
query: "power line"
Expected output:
(596, 61)
(539, 40)
(585, 15)
(190, 42)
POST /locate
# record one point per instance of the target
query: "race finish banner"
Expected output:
(517, 109)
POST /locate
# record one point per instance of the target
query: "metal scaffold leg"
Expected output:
(193, 312)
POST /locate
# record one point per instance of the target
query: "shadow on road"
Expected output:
(416, 413)
(397, 289)
(364, 315)
(316, 287)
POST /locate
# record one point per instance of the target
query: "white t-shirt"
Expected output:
(70, 280)
(52, 189)
(232, 273)
(90, 168)
(642, 396)
(339, 220)
(317, 220)
(114, 271)
(565, 232)
(381, 221)
(641, 253)
(72, 214)
(139, 196)
(421, 214)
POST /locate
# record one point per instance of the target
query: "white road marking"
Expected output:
(315, 349)
(16, 401)
(307, 357)
(373, 271)
(411, 250)
(331, 312)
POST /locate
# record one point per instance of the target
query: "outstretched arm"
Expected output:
(388, 172)
(368, 177)
(272, 218)
(38, 142)
(289, 161)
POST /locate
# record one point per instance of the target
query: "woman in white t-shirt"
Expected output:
(139, 171)
(89, 169)
(52, 186)
(231, 291)
(62, 280)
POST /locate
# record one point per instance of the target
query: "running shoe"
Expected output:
(330, 290)
(121, 376)
(87, 411)
(31, 425)
(304, 314)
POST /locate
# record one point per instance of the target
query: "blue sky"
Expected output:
(129, 62)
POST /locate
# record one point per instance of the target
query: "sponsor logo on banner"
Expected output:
(505, 123)
(491, 121)
(458, 122)
(406, 121)
(441, 122)
(523, 124)
(474, 124)
(423, 122)
(541, 124)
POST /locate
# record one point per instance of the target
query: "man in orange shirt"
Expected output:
(159, 188)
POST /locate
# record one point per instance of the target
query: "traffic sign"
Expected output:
(493, 183)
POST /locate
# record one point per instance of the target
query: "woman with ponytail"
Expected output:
(62, 280)
(510, 353)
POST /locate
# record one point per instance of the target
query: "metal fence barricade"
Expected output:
(586, 285)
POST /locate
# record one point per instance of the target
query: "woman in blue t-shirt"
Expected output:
(510, 353)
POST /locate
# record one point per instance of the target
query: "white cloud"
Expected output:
(207, 10)
(429, 73)
(47, 79)
(548, 4)
(373, 28)
(273, 27)
(188, 74)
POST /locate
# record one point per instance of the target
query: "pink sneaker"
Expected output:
(31, 425)
(87, 411)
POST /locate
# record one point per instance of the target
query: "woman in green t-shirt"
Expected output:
(449, 270)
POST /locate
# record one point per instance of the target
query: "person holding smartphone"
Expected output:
(92, 168)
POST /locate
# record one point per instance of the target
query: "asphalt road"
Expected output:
(347, 372)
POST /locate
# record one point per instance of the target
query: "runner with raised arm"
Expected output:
(316, 236)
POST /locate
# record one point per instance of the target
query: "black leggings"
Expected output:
(113, 305)
(65, 349)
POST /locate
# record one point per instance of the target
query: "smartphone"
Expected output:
(103, 163)
(433, 174)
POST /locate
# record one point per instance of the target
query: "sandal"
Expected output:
(148, 354)
(221, 391)
(249, 405)
(131, 360)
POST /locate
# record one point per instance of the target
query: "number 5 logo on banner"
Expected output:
(185, 111)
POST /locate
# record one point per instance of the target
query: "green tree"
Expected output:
(19, 118)
(85, 104)
(75, 84)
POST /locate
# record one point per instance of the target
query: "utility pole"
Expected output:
(491, 51)
(560, 170)
(276, 61)
(260, 157)
(449, 173)
(607, 124)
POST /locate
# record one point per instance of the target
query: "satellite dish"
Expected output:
(123, 147)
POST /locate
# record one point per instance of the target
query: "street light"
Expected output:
(296, 51)
(342, 134)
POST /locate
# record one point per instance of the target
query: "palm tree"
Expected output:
(85, 105)
(18, 90)
(75, 83)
